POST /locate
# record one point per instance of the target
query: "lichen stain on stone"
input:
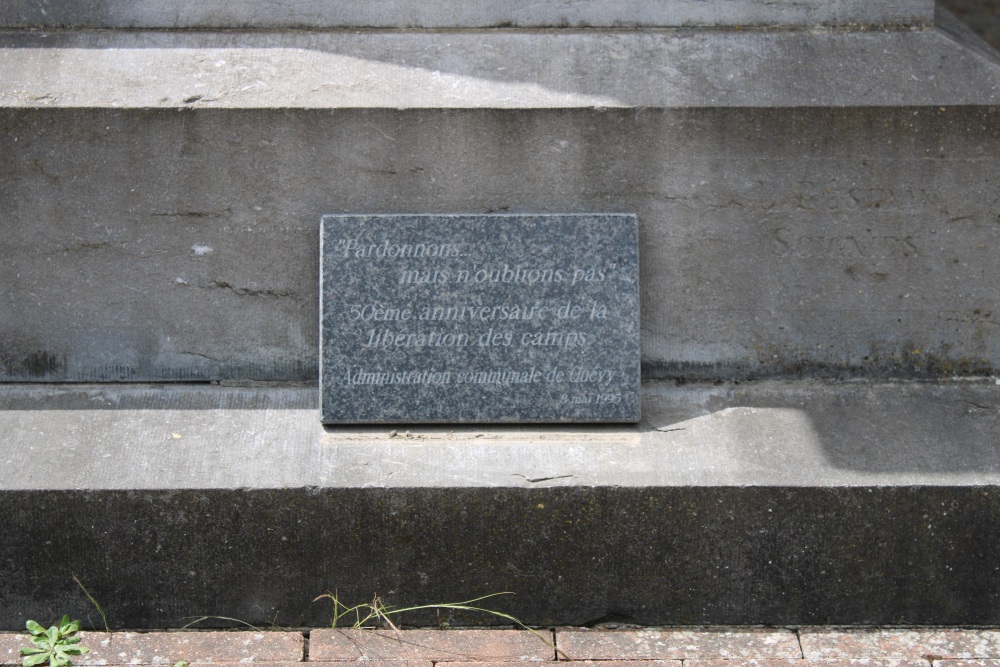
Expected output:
(896, 360)
(39, 364)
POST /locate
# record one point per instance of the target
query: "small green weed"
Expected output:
(54, 646)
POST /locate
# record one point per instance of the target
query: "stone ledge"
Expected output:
(181, 14)
(946, 66)
(749, 504)
(807, 434)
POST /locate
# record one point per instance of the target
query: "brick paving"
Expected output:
(929, 643)
(678, 644)
(476, 646)
(646, 647)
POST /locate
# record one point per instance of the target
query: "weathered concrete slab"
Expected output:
(467, 14)
(172, 502)
(774, 434)
(186, 248)
(775, 241)
(528, 70)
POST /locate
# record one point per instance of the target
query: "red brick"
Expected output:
(255, 664)
(381, 661)
(433, 645)
(917, 643)
(584, 663)
(10, 644)
(166, 648)
(676, 644)
(822, 662)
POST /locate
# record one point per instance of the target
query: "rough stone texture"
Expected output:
(467, 14)
(500, 646)
(917, 643)
(573, 554)
(893, 488)
(677, 644)
(861, 244)
(486, 318)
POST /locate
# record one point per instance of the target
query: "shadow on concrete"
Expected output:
(768, 433)
(792, 433)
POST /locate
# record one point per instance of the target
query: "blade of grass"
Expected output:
(104, 619)
(199, 619)
(378, 611)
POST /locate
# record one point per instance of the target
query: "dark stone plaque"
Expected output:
(479, 318)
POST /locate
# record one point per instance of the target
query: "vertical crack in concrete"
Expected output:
(798, 638)
(305, 646)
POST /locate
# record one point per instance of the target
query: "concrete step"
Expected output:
(809, 203)
(313, 14)
(469, 69)
(813, 203)
(769, 503)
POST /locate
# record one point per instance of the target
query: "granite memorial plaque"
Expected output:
(479, 318)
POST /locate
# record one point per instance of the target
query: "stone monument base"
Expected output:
(816, 198)
(779, 503)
